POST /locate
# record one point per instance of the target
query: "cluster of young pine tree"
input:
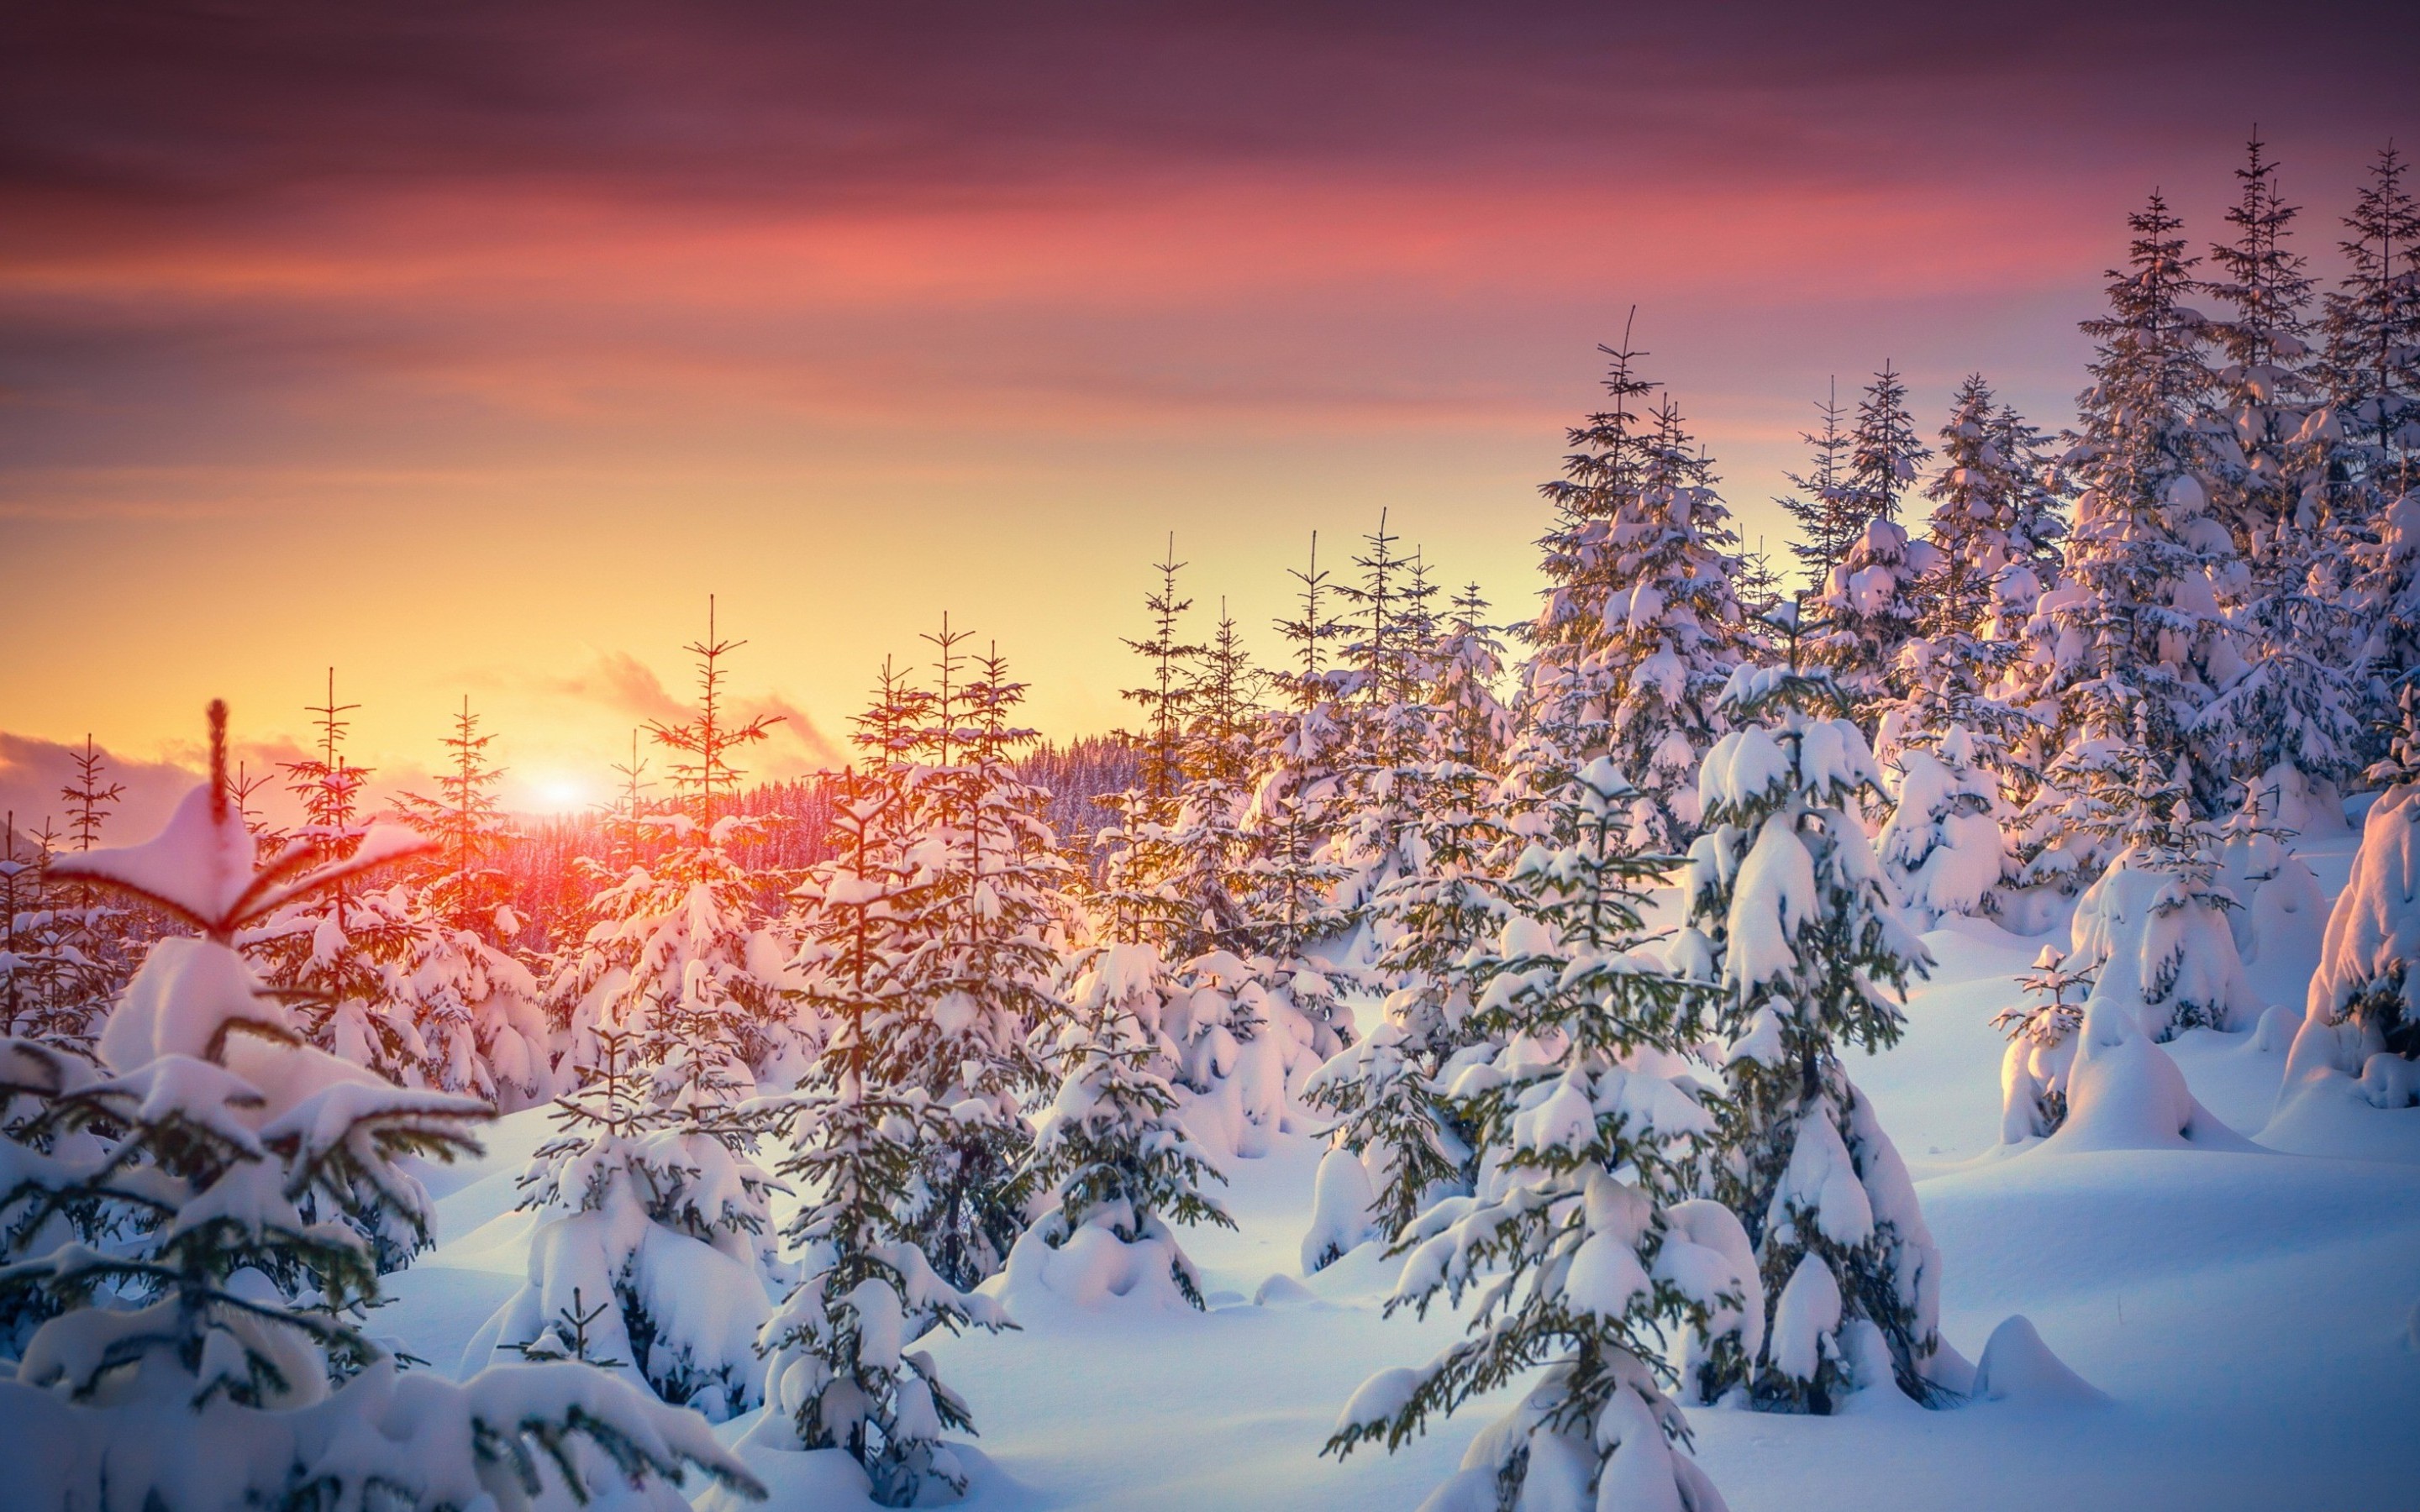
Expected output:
(826, 1057)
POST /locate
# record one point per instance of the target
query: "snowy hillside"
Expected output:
(2249, 1315)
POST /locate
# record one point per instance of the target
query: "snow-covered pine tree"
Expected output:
(1388, 682)
(1942, 844)
(1141, 858)
(2369, 361)
(476, 1007)
(96, 956)
(1871, 600)
(1994, 526)
(984, 939)
(2041, 1046)
(839, 1370)
(1298, 792)
(2362, 1018)
(1870, 613)
(1398, 1139)
(30, 961)
(2134, 621)
(1823, 502)
(677, 1001)
(2292, 723)
(1791, 914)
(227, 1177)
(1108, 1157)
(1884, 448)
(1995, 518)
(1641, 623)
(339, 952)
(680, 951)
(1255, 1024)
(1579, 1238)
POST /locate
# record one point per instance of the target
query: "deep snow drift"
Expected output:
(2212, 1328)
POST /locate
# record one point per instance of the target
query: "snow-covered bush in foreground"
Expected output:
(1109, 1158)
(223, 1184)
(2155, 925)
(1790, 918)
(2361, 1023)
(648, 1251)
(1577, 1240)
(2042, 1048)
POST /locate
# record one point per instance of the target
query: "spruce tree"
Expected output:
(983, 935)
(340, 952)
(1579, 1242)
(1824, 505)
(1641, 622)
(841, 1371)
(1108, 1157)
(477, 1008)
(2370, 326)
(1884, 451)
(1791, 917)
(2135, 623)
(2292, 723)
(1994, 527)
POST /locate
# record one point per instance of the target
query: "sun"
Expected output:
(557, 795)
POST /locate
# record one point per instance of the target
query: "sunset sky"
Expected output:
(467, 346)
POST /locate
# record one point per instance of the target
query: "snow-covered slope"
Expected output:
(2249, 1315)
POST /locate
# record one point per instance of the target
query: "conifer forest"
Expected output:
(1919, 1014)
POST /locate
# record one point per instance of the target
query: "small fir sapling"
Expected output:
(2041, 1046)
(1789, 915)
(650, 1242)
(223, 1181)
(1580, 1240)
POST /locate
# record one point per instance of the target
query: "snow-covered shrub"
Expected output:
(2042, 1048)
(1109, 1160)
(227, 1188)
(2155, 928)
(1791, 919)
(1577, 1239)
(652, 1247)
(2363, 1012)
(1942, 844)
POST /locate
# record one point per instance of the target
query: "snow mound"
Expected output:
(2125, 1093)
(2018, 1366)
(1093, 1269)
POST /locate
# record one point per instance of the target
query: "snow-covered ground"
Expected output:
(2251, 1318)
